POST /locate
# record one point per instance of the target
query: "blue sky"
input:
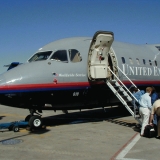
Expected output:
(27, 25)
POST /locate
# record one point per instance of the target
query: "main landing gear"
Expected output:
(34, 121)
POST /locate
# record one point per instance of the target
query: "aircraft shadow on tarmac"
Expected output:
(136, 127)
(87, 116)
(1, 117)
(112, 115)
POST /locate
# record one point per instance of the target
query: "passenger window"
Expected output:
(130, 59)
(155, 63)
(60, 55)
(144, 62)
(123, 60)
(137, 61)
(74, 55)
(150, 62)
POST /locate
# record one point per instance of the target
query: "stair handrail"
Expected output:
(122, 83)
(127, 77)
(128, 91)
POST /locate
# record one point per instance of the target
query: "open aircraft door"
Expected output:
(98, 55)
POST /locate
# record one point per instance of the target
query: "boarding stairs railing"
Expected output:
(123, 93)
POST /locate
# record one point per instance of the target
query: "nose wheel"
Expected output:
(28, 118)
(35, 122)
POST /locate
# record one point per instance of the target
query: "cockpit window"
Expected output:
(40, 56)
(74, 55)
(60, 55)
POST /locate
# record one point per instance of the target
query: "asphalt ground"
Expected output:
(86, 135)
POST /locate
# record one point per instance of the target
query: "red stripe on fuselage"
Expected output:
(41, 86)
(69, 84)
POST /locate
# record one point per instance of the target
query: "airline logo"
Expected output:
(140, 71)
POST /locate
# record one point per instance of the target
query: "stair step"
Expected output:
(123, 93)
(126, 98)
(112, 81)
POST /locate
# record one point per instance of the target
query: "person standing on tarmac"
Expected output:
(145, 108)
(154, 97)
(156, 110)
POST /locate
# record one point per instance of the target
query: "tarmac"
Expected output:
(87, 135)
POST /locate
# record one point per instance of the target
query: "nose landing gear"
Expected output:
(34, 121)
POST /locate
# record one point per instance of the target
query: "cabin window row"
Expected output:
(60, 55)
(138, 61)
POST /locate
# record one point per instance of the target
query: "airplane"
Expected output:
(77, 73)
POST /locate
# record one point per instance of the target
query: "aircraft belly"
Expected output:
(75, 98)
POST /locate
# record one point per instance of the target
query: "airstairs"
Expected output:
(123, 93)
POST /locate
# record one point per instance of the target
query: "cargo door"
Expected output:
(98, 55)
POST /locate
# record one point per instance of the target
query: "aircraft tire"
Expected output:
(15, 128)
(27, 118)
(35, 122)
